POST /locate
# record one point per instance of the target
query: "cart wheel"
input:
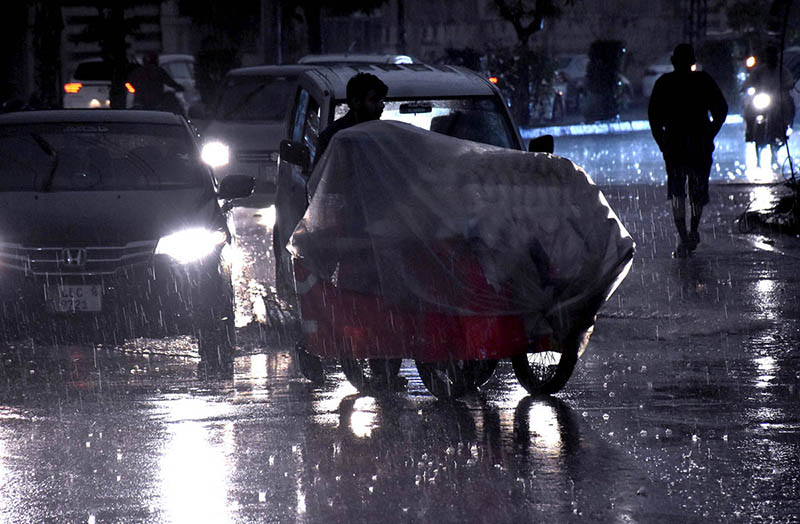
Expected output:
(546, 372)
(453, 378)
(310, 365)
(375, 374)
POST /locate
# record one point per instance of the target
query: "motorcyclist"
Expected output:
(148, 81)
(770, 78)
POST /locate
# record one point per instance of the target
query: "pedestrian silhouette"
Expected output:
(679, 111)
(148, 81)
(365, 94)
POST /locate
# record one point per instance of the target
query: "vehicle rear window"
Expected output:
(480, 119)
(96, 71)
(98, 157)
(93, 71)
(255, 98)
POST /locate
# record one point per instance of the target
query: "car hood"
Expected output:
(264, 136)
(90, 218)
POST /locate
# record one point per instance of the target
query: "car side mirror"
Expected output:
(236, 186)
(541, 144)
(296, 153)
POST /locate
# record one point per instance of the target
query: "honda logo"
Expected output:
(73, 257)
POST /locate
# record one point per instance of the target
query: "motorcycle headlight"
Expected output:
(762, 101)
(215, 154)
(190, 245)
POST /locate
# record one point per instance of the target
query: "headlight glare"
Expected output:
(762, 101)
(190, 245)
(215, 154)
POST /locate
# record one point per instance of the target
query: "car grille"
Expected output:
(95, 260)
(256, 156)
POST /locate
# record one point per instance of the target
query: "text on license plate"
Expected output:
(67, 298)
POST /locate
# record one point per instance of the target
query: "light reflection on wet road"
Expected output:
(683, 409)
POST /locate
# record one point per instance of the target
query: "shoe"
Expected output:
(692, 241)
(681, 250)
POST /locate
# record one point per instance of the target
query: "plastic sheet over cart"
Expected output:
(419, 245)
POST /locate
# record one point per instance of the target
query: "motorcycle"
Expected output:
(767, 116)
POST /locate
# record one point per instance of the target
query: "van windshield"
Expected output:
(255, 98)
(93, 156)
(480, 119)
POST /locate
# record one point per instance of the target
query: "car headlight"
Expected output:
(762, 101)
(190, 245)
(215, 154)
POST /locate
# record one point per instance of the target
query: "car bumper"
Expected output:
(153, 299)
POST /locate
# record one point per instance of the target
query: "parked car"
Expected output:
(571, 74)
(243, 130)
(656, 69)
(110, 228)
(355, 59)
(451, 100)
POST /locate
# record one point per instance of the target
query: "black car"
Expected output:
(111, 227)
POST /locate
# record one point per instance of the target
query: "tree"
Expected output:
(527, 17)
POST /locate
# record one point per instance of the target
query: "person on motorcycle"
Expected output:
(148, 81)
(678, 112)
(776, 81)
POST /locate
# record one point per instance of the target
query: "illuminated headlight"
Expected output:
(751, 91)
(215, 154)
(190, 245)
(762, 101)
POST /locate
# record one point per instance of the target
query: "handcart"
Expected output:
(396, 267)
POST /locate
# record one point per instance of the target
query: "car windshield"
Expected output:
(256, 98)
(73, 156)
(480, 119)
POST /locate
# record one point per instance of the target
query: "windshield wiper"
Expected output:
(48, 149)
(249, 96)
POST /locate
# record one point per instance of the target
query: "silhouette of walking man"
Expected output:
(149, 80)
(679, 120)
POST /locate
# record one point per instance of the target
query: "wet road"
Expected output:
(684, 408)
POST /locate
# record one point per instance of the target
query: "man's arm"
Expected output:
(168, 80)
(717, 106)
(655, 111)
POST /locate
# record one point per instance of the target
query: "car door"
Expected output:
(290, 194)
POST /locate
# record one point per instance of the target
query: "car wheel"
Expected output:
(375, 374)
(213, 317)
(453, 378)
(546, 371)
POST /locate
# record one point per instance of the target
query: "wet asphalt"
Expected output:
(684, 407)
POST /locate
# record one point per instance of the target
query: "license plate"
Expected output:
(76, 298)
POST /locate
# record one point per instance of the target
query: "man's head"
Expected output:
(365, 94)
(683, 57)
(150, 58)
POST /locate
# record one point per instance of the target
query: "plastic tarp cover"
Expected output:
(434, 223)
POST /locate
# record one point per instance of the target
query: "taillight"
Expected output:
(129, 87)
(72, 87)
(493, 79)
